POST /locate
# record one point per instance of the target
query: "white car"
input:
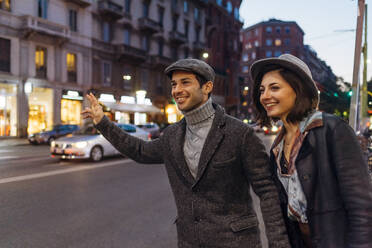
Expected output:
(88, 143)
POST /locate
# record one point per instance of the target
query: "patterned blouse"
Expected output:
(288, 177)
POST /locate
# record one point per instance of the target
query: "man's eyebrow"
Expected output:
(182, 79)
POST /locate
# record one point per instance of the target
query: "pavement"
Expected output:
(13, 142)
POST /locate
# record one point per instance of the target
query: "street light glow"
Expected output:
(205, 55)
(246, 88)
(127, 77)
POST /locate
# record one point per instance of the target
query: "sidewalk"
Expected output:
(13, 142)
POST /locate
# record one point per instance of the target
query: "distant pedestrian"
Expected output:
(326, 195)
(211, 159)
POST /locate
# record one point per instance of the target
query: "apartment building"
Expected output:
(52, 52)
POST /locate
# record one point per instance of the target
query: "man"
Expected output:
(211, 159)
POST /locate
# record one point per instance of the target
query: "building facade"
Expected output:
(53, 52)
(223, 27)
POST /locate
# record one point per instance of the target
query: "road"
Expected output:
(45, 202)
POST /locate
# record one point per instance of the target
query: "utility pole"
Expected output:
(364, 93)
(354, 105)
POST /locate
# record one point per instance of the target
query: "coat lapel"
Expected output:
(214, 138)
(176, 146)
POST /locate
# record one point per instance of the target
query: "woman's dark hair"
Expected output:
(305, 101)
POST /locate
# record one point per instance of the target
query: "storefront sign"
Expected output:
(72, 95)
(106, 98)
(128, 99)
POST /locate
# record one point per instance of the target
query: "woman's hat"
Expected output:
(289, 62)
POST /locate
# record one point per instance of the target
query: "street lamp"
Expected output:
(127, 77)
(205, 55)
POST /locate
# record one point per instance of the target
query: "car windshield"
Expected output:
(87, 130)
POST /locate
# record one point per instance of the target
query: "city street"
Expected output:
(45, 202)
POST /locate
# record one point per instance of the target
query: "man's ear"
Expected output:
(207, 87)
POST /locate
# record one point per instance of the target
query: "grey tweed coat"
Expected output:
(215, 209)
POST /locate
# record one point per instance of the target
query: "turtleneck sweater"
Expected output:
(198, 124)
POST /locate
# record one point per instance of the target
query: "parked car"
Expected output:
(152, 128)
(88, 143)
(273, 130)
(51, 134)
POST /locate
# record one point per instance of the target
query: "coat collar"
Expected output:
(212, 141)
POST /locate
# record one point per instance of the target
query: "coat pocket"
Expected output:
(244, 223)
(224, 163)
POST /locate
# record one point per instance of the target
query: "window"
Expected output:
(145, 9)
(186, 52)
(278, 29)
(174, 51)
(269, 42)
(245, 69)
(106, 73)
(71, 67)
(127, 6)
(5, 5)
(174, 4)
(287, 42)
(236, 13)
(245, 57)
(174, 23)
(269, 54)
(278, 42)
(145, 79)
(40, 62)
(160, 47)
(72, 19)
(196, 14)
(256, 43)
(4, 55)
(197, 34)
(106, 32)
(219, 2)
(127, 37)
(269, 29)
(42, 9)
(161, 15)
(186, 29)
(256, 32)
(249, 45)
(145, 43)
(229, 7)
(185, 7)
(277, 53)
(287, 30)
(127, 84)
(254, 55)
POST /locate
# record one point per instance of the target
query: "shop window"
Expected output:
(4, 55)
(269, 42)
(106, 72)
(5, 5)
(127, 36)
(127, 6)
(8, 110)
(40, 62)
(71, 67)
(160, 16)
(278, 42)
(42, 10)
(40, 116)
(70, 111)
(72, 17)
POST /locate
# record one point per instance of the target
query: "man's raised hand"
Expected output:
(95, 111)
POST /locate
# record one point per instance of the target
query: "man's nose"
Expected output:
(177, 88)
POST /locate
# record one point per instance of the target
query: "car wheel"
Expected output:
(50, 140)
(96, 154)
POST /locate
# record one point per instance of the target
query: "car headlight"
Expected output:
(274, 129)
(52, 144)
(81, 144)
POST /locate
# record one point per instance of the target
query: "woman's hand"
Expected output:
(95, 111)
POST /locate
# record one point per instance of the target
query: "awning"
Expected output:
(131, 108)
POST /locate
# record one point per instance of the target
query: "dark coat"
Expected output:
(338, 190)
(215, 209)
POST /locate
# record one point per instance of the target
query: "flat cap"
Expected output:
(196, 66)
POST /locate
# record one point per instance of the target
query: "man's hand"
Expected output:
(95, 111)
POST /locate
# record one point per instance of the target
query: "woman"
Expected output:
(326, 195)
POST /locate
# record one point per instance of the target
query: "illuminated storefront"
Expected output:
(8, 109)
(71, 106)
(40, 102)
(172, 113)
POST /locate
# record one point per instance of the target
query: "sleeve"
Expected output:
(258, 172)
(139, 150)
(354, 183)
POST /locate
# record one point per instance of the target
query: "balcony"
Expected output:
(148, 25)
(177, 38)
(110, 9)
(102, 46)
(129, 53)
(81, 3)
(160, 61)
(199, 46)
(35, 25)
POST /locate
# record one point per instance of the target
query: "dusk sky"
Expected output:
(326, 24)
